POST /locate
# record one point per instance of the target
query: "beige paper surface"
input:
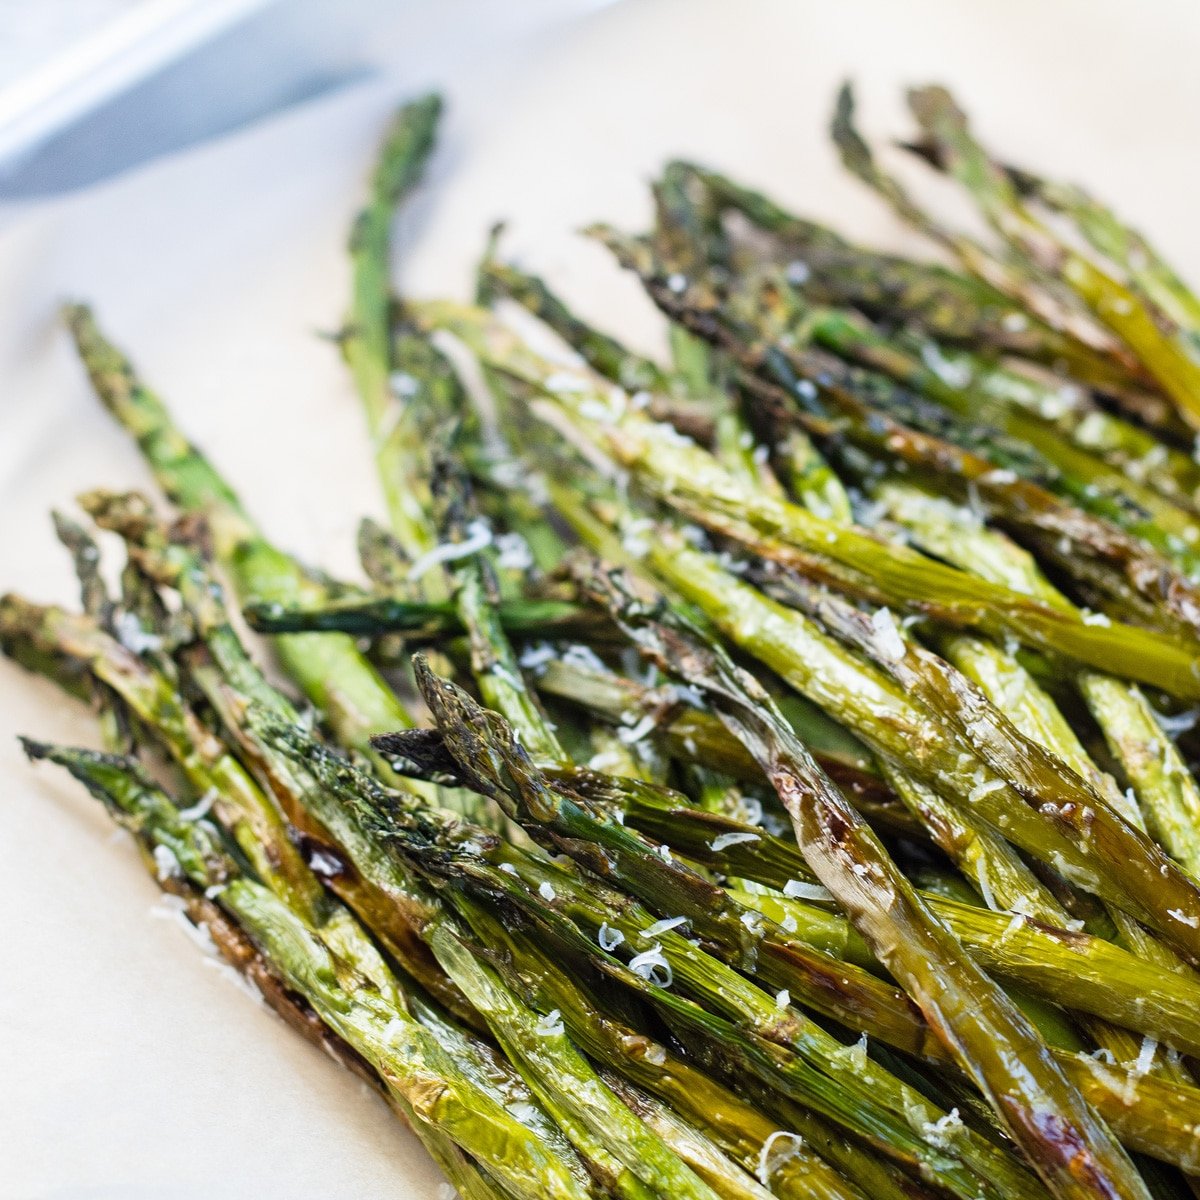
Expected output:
(128, 1067)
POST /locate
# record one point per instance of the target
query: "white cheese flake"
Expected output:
(513, 552)
(478, 537)
(886, 637)
(794, 889)
(944, 1130)
(166, 865)
(721, 841)
(663, 926)
(983, 788)
(655, 1054)
(550, 1025)
(634, 733)
(133, 636)
(535, 657)
(653, 967)
(608, 938)
(403, 384)
(201, 808)
(770, 1159)
(583, 658)
(753, 922)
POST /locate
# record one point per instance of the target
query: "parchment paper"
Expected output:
(128, 1067)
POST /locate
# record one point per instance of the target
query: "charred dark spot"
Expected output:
(595, 858)
(1060, 1140)
(325, 861)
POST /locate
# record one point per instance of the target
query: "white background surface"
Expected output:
(128, 1068)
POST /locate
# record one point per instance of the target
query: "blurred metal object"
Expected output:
(172, 73)
(121, 46)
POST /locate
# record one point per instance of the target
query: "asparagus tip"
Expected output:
(35, 750)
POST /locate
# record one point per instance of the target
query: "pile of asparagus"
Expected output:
(765, 773)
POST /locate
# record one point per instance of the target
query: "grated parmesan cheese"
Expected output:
(885, 636)
(795, 890)
(667, 923)
(733, 839)
(550, 1025)
(609, 939)
(770, 1160)
(478, 536)
(653, 967)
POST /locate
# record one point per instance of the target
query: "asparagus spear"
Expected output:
(1109, 236)
(1072, 968)
(330, 670)
(1159, 344)
(737, 1126)
(950, 307)
(1093, 484)
(1158, 892)
(1093, 551)
(966, 1010)
(807, 473)
(687, 477)
(391, 375)
(1167, 794)
(442, 1103)
(375, 616)
(947, 304)
(358, 792)
(1031, 290)
(1113, 1090)
(476, 593)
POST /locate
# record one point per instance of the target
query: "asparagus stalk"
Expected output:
(966, 1010)
(1093, 484)
(1157, 890)
(1030, 290)
(729, 1121)
(1167, 794)
(806, 471)
(958, 309)
(1158, 343)
(568, 1085)
(390, 376)
(375, 616)
(1112, 1089)
(359, 794)
(1086, 547)
(442, 1103)
(329, 669)
(476, 593)
(672, 465)
(1109, 236)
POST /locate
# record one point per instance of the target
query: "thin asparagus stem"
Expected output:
(1157, 342)
(811, 393)
(1167, 794)
(387, 378)
(330, 670)
(979, 1023)
(441, 1101)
